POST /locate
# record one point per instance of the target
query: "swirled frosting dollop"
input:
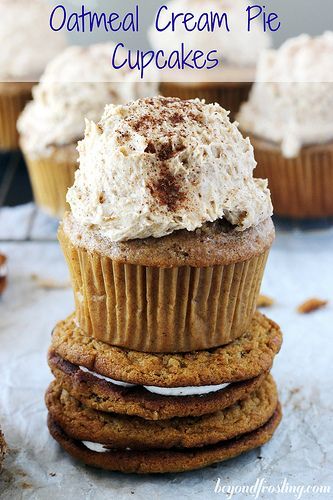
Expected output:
(26, 40)
(158, 165)
(76, 85)
(291, 102)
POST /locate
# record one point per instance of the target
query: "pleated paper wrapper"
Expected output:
(50, 177)
(153, 309)
(301, 187)
(13, 98)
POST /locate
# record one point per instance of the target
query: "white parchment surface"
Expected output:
(301, 453)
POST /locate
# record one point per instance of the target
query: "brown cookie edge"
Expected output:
(165, 461)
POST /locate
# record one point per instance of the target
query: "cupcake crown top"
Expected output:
(158, 165)
(291, 102)
(27, 42)
(75, 85)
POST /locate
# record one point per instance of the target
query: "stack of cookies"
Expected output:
(164, 366)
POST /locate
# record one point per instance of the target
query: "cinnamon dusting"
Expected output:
(167, 189)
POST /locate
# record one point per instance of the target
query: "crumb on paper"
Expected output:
(291, 393)
(311, 305)
(265, 301)
(49, 283)
(26, 486)
(295, 399)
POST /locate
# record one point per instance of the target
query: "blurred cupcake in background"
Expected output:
(27, 44)
(229, 85)
(76, 85)
(289, 117)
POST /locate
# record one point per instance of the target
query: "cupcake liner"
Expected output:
(13, 98)
(229, 95)
(50, 179)
(301, 187)
(153, 309)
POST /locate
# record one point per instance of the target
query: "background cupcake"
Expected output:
(289, 117)
(239, 49)
(169, 232)
(76, 85)
(27, 44)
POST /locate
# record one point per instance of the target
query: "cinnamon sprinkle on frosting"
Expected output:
(164, 164)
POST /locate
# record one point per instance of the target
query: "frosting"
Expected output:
(237, 47)
(292, 101)
(158, 165)
(76, 85)
(27, 43)
(163, 391)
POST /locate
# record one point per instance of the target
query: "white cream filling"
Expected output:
(3, 270)
(185, 391)
(102, 377)
(98, 447)
(164, 391)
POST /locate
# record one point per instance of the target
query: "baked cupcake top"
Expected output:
(76, 85)
(237, 47)
(26, 40)
(292, 102)
(158, 165)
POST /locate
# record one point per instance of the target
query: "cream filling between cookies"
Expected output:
(185, 391)
(3, 270)
(164, 391)
(97, 447)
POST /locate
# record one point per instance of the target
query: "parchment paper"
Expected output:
(301, 453)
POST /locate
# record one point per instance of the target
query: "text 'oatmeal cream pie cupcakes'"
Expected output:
(169, 233)
(75, 85)
(289, 117)
(236, 49)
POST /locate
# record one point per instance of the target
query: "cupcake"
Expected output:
(76, 85)
(168, 233)
(289, 117)
(238, 51)
(27, 44)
